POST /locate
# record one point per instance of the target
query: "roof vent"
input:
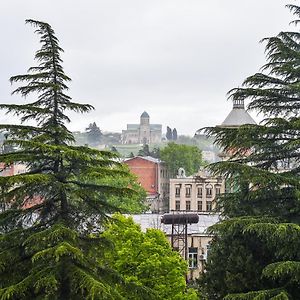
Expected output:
(238, 103)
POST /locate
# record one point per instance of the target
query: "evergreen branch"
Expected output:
(106, 189)
(85, 281)
(282, 270)
(24, 109)
(263, 294)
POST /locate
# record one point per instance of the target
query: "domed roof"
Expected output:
(238, 116)
(145, 115)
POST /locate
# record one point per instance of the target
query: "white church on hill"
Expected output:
(143, 133)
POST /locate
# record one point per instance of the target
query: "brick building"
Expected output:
(153, 176)
(12, 169)
(15, 169)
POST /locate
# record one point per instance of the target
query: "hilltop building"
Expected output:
(143, 133)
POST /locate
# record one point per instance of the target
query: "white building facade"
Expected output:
(195, 193)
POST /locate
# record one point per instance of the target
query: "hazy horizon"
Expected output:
(174, 59)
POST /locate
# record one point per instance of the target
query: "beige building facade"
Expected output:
(195, 193)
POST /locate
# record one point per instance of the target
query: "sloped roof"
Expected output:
(149, 158)
(155, 126)
(145, 115)
(137, 126)
(154, 221)
(238, 116)
(133, 126)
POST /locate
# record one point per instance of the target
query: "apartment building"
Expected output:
(195, 193)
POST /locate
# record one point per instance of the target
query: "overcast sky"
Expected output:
(176, 59)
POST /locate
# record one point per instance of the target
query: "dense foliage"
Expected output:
(52, 212)
(131, 203)
(94, 134)
(255, 254)
(181, 156)
(145, 151)
(147, 259)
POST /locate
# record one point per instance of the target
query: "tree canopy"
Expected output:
(51, 213)
(131, 203)
(94, 134)
(256, 250)
(145, 151)
(147, 259)
(181, 156)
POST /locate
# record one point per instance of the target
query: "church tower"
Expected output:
(144, 134)
(145, 119)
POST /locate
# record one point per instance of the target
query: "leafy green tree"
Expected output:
(133, 203)
(181, 156)
(235, 261)
(155, 152)
(145, 151)
(94, 134)
(47, 250)
(114, 149)
(146, 258)
(264, 211)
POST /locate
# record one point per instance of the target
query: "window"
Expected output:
(188, 191)
(218, 190)
(188, 205)
(209, 205)
(199, 205)
(177, 205)
(193, 258)
(199, 192)
(209, 191)
(177, 191)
